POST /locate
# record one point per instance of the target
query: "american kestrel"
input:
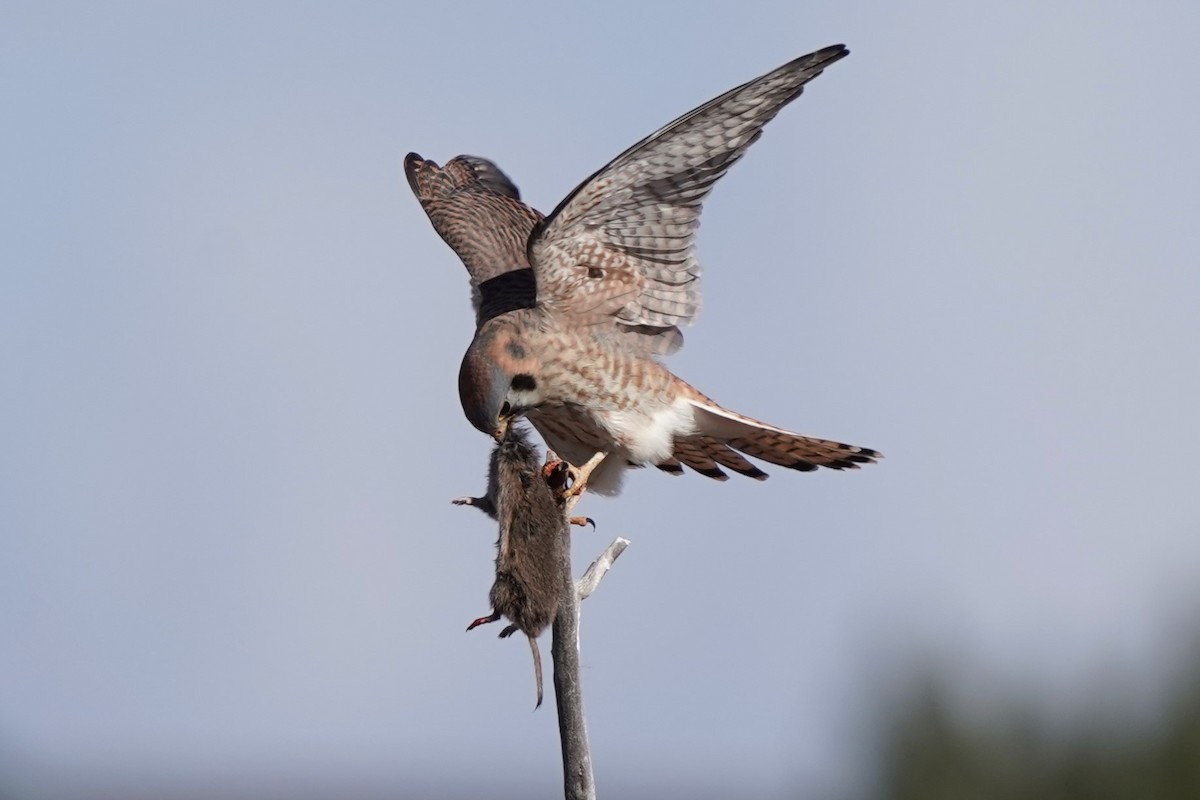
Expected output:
(572, 310)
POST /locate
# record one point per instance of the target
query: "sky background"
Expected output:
(230, 431)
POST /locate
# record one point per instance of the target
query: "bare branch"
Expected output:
(600, 567)
(578, 780)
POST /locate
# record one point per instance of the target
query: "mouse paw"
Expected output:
(495, 615)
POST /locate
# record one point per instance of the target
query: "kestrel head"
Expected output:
(498, 380)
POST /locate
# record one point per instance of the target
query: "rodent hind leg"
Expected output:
(495, 615)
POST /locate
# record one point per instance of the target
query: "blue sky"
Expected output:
(230, 337)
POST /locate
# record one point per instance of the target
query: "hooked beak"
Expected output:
(501, 430)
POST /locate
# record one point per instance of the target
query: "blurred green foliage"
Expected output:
(933, 751)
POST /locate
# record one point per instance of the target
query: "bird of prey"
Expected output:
(574, 310)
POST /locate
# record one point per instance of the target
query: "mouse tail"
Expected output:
(537, 670)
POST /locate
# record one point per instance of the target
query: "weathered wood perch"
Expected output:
(578, 781)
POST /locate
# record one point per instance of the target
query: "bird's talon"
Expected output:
(580, 475)
(557, 473)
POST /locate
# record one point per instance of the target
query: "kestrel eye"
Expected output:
(595, 272)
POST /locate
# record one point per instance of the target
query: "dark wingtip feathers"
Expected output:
(824, 56)
(711, 472)
(854, 457)
(412, 162)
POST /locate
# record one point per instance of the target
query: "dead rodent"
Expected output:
(530, 546)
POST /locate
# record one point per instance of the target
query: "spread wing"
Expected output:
(621, 247)
(477, 210)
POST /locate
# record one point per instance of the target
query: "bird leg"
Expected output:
(580, 475)
(568, 481)
(495, 615)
